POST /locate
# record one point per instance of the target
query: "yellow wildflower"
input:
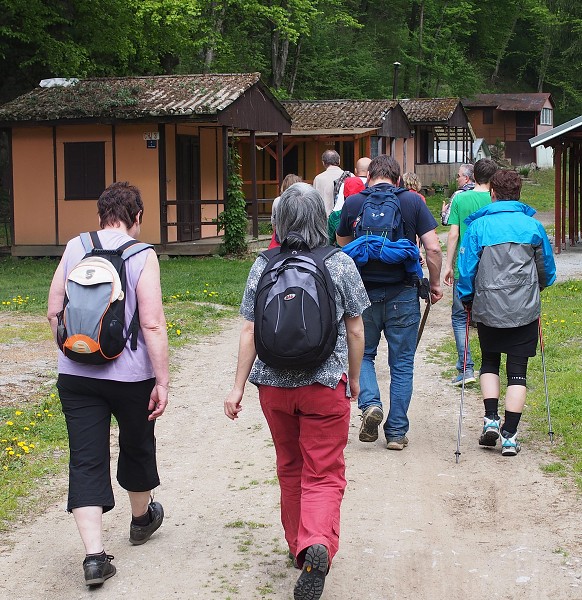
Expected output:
(18, 413)
(9, 423)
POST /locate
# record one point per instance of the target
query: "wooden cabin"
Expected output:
(354, 128)
(513, 119)
(68, 140)
(443, 137)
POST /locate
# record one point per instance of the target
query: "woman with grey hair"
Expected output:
(308, 410)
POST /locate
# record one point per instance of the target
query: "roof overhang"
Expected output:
(550, 136)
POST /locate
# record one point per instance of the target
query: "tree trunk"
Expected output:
(502, 48)
(420, 50)
(545, 61)
(217, 13)
(291, 87)
(279, 53)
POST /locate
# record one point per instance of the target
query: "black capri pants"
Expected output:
(88, 405)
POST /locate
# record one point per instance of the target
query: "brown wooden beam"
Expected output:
(557, 198)
(255, 204)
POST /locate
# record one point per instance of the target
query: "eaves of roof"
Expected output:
(527, 102)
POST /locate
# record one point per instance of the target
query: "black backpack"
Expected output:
(295, 309)
(91, 327)
(381, 215)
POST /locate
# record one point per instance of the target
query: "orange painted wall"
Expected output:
(139, 165)
(33, 169)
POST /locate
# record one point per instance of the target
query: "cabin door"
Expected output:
(188, 187)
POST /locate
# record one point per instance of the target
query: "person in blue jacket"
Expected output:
(505, 260)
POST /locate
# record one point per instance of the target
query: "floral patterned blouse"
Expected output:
(351, 301)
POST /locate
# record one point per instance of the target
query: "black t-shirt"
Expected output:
(417, 217)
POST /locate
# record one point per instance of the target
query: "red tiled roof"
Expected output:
(337, 114)
(429, 110)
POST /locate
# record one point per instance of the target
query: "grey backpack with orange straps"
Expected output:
(91, 328)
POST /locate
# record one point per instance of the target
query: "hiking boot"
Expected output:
(509, 444)
(98, 569)
(293, 559)
(140, 534)
(398, 443)
(310, 584)
(469, 378)
(371, 419)
(490, 434)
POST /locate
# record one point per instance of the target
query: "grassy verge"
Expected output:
(198, 295)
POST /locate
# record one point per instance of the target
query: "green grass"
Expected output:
(199, 294)
(538, 190)
(33, 445)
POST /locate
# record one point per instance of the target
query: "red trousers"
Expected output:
(309, 426)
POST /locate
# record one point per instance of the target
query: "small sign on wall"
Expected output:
(151, 138)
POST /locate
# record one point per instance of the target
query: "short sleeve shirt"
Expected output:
(417, 217)
(464, 205)
(351, 300)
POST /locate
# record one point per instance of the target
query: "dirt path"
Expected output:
(415, 525)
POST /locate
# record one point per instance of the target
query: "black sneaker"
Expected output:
(140, 534)
(98, 569)
(309, 586)
(371, 419)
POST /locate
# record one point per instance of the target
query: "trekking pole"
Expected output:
(550, 432)
(423, 321)
(458, 450)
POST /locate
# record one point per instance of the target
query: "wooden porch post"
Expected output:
(572, 224)
(255, 204)
(578, 192)
(225, 162)
(564, 193)
(557, 198)
(279, 161)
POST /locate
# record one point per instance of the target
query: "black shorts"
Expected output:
(88, 405)
(520, 341)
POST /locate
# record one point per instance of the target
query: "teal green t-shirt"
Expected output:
(465, 204)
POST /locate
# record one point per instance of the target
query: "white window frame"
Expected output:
(546, 116)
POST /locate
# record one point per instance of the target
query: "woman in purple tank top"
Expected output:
(133, 387)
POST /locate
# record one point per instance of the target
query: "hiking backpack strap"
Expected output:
(127, 250)
(90, 240)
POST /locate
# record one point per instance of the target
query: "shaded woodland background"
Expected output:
(306, 49)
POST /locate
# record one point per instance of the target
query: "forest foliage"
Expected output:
(307, 49)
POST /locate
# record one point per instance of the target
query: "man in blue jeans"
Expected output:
(463, 205)
(395, 309)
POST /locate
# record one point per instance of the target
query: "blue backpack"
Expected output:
(295, 309)
(381, 215)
